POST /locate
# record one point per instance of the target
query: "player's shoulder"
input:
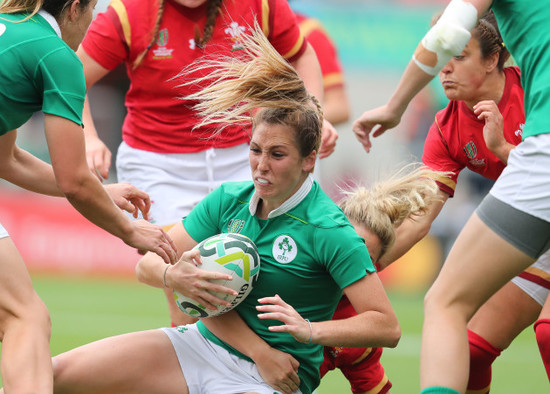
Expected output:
(513, 73)
(238, 190)
(318, 210)
(448, 116)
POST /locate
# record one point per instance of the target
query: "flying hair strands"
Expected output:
(257, 76)
(386, 204)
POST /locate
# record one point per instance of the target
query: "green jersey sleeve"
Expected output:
(64, 85)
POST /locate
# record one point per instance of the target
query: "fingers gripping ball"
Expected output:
(230, 253)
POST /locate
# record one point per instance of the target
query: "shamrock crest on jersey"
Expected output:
(284, 249)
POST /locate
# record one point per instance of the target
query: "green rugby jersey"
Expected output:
(524, 27)
(309, 252)
(39, 72)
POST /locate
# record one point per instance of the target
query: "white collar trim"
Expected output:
(51, 20)
(294, 200)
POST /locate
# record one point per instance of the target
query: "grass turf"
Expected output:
(87, 309)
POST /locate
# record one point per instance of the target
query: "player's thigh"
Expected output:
(505, 315)
(479, 263)
(141, 362)
(17, 296)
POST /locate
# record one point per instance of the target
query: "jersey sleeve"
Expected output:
(203, 220)
(326, 53)
(436, 155)
(347, 260)
(63, 83)
(281, 28)
(106, 39)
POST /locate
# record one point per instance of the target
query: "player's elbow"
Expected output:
(74, 188)
(393, 333)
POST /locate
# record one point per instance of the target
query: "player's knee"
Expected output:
(37, 314)
(30, 312)
(434, 299)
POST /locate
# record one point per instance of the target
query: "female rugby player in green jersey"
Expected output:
(40, 72)
(322, 258)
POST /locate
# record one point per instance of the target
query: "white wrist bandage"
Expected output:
(449, 36)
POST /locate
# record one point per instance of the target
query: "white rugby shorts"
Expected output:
(209, 368)
(539, 271)
(3, 232)
(176, 182)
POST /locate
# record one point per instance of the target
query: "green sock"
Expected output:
(438, 390)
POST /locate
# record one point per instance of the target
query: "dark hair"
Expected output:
(54, 7)
(490, 41)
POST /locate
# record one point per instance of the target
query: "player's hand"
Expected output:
(187, 278)
(374, 122)
(279, 370)
(493, 131)
(98, 157)
(129, 198)
(276, 309)
(150, 237)
(328, 140)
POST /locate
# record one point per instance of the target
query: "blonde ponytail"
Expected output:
(384, 206)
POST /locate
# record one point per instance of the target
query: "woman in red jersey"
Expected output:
(162, 151)
(482, 123)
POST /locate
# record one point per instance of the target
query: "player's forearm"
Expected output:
(232, 329)
(151, 270)
(27, 171)
(87, 195)
(368, 329)
(411, 82)
(407, 235)
(308, 68)
(336, 108)
(504, 151)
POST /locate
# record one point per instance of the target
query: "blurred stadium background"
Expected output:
(85, 275)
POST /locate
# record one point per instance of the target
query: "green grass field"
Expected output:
(84, 310)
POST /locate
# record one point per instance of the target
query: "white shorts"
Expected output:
(524, 183)
(176, 182)
(535, 280)
(210, 369)
(3, 232)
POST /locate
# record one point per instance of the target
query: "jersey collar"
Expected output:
(294, 200)
(51, 20)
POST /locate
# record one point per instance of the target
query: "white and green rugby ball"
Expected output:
(232, 254)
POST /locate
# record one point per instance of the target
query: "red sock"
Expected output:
(482, 355)
(542, 332)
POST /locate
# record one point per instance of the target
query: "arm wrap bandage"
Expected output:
(449, 36)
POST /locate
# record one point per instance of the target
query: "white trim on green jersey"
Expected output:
(288, 204)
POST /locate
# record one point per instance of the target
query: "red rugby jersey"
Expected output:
(325, 50)
(157, 120)
(455, 140)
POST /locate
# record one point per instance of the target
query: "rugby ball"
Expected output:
(230, 253)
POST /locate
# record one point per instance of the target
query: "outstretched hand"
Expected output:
(276, 309)
(150, 237)
(129, 198)
(374, 122)
(187, 278)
